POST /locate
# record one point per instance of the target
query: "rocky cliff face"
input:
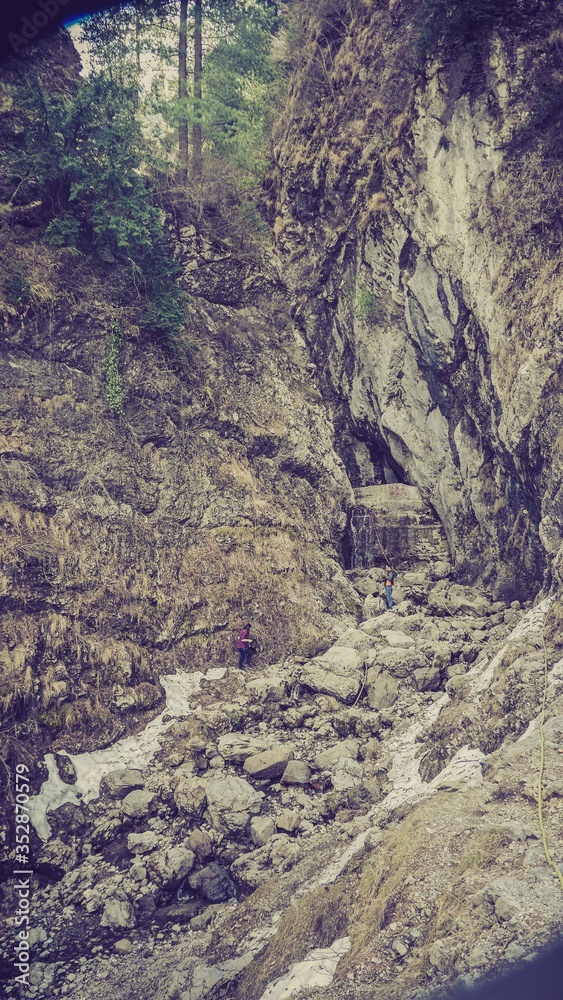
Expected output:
(137, 542)
(363, 805)
(416, 210)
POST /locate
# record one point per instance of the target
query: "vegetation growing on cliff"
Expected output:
(97, 164)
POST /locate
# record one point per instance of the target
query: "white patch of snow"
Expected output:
(132, 751)
(464, 768)
(403, 773)
(315, 971)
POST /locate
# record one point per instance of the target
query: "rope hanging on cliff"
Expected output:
(543, 831)
(380, 543)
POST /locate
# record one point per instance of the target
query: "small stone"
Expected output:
(297, 772)
(426, 679)
(261, 829)
(395, 638)
(119, 783)
(287, 820)
(327, 759)
(117, 913)
(400, 948)
(202, 920)
(382, 691)
(477, 957)
(346, 773)
(213, 883)
(438, 953)
(200, 843)
(269, 765)
(142, 843)
(122, 946)
(514, 952)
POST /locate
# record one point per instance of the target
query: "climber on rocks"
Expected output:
(245, 647)
(389, 580)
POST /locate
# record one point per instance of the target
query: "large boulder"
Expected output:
(279, 855)
(118, 913)
(177, 913)
(262, 828)
(142, 843)
(346, 773)
(338, 672)
(382, 689)
(200, 843)
(426, 679)
(231, 801)
(287, 820)
(270, 764)
(213, 883)
(468, 599)
(266, 689)
(398, 661)
(393, 637)
(172, 865)
(190, 797)
(296, 772)
(119, 783)
(326, 760)
(353, 638)
(139, 803)
(388, 620)
(458, 598)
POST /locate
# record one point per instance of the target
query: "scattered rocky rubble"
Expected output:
(254, 801)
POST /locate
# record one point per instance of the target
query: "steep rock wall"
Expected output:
(412, 211)
(135, 543)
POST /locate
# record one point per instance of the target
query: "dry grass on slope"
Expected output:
(315, 921)
(421, 885)
(353, 68)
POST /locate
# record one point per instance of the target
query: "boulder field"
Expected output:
(379, 800)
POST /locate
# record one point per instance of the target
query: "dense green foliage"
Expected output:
(84, 157)
(236, 102)
(237, 69)
(101, 157)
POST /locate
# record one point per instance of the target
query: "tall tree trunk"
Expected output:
(138, 42)
(183, 91)
(198, 66)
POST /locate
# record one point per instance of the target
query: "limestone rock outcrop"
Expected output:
(431, 307)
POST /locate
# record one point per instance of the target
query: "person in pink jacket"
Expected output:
(244, 646)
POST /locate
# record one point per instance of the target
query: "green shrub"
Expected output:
(63, 231)
(17, 289)
(368, 305)
(85, 154)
